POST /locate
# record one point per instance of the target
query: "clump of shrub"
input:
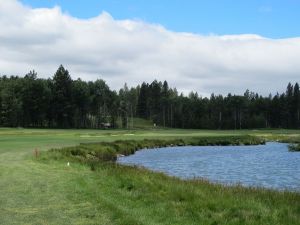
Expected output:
(228, 140)
(294, 148)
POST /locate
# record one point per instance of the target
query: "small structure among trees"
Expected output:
(106, 125)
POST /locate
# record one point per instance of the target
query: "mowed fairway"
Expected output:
(50, 192)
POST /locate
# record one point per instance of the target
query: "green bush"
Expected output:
(294, 147)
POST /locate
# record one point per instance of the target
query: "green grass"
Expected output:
(50, 192)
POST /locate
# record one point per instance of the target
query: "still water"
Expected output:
(270, 165)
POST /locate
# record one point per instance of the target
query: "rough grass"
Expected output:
(35, 191)
(113, 194)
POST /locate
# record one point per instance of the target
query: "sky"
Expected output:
(207, 46)
(273, 19)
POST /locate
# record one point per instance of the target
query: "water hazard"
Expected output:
(270, 165)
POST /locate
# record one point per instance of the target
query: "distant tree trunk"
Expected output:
(240, 119)
(171, 116)
(235, 118)
(131, 117)
(298, 118)
(220, 120)
(164, 116)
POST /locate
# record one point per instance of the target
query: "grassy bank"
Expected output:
(129, 195)
(138, 196)
(108, 151)
(36, 191)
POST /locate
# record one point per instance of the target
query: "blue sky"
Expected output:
(272, 19)
(242, 44)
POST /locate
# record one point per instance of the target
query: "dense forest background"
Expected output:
(61, 102)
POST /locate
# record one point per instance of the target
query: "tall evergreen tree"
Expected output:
(296, 106)
(63, 108)
(142, 101)
(155, 101)
(82, 100)
(289, 101)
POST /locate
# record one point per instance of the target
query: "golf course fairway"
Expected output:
(45, 190)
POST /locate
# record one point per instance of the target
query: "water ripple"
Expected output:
(270, 165)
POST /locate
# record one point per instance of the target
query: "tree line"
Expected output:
(60, 102)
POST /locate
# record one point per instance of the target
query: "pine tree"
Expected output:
(63, 109)
(142, 101)
(289, 101)
(296, 105)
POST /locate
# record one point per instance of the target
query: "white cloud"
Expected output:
(133, 51)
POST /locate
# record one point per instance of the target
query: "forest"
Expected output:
(61, 102)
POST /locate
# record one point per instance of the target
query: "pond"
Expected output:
(270, 166)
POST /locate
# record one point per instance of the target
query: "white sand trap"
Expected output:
(102, 136)
(91, 136)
